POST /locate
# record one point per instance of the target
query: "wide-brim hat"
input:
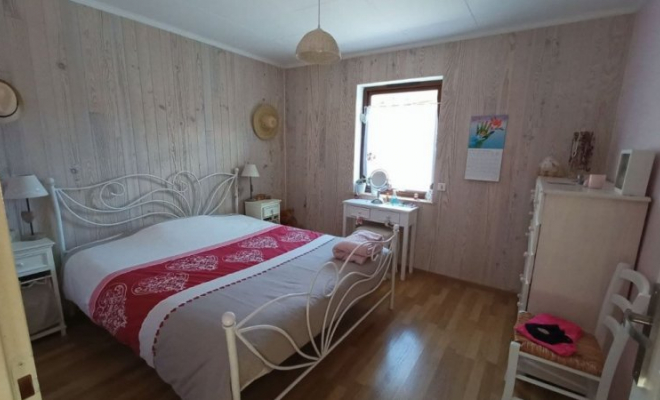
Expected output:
(265, 121)
(9, 103)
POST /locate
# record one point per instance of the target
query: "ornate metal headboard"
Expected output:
(133, 198)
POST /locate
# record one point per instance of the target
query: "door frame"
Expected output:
(16, 358)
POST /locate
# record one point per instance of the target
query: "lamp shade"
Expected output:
(250, 171)
(24, 187)
(318, 47)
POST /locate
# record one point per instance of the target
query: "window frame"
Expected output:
(413, 86)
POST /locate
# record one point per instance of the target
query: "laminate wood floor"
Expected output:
(445, 339)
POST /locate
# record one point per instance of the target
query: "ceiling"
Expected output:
(269, 30)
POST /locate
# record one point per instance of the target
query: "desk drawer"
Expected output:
(33, 261)
(358, 212)
(385, 216)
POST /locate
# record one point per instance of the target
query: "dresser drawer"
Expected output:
(523, 296)
(357, 212)
(385, 216)
(528, 272)
(32, 261)
(533, 238)
(538, 208)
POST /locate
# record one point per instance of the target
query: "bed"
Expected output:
(211, 302)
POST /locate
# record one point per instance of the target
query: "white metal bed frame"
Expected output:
(181, 198)
(184, 189)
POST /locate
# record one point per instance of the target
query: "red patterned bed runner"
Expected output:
(122, 302)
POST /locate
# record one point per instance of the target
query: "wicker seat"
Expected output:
(589, 357)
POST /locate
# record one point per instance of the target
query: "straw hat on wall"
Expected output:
(265, 121)
(9, 103)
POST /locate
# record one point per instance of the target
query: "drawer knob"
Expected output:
(526, 254)
(19, 264)
(522, 278)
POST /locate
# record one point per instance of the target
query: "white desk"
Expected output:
(406, 217)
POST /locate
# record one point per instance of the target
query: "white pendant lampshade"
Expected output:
(318, 46)
(24, 187)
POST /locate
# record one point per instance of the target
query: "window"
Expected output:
(399, 133)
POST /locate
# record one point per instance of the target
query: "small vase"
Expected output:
(360, 188)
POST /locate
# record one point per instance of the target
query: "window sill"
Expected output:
(368, 196)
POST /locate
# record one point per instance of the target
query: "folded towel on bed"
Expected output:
(357, 240)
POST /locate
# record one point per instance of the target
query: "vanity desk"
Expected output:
(405, 216)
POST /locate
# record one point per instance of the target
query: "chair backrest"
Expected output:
(611, 319)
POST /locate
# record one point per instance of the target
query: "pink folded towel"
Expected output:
(343, 249)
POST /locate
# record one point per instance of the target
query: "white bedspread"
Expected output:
(85, 270)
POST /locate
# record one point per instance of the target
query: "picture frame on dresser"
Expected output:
(633, 172)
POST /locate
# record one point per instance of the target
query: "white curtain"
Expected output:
(401, 139)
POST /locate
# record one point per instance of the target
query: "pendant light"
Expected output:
(318, 46)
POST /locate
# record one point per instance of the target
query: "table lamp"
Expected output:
(250, 171)
(25, 187)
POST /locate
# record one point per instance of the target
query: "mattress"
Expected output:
(164, 289)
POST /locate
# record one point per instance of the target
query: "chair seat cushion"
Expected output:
(588, 358)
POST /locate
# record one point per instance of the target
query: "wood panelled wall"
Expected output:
(105, 96)
(551, 82)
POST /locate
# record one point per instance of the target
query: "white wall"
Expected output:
(637, 127)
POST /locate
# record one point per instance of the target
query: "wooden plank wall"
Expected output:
(551, 81)
(105, 96)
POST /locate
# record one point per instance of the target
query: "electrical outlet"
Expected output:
(441, 186)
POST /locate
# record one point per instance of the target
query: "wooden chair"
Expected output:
(588, 373)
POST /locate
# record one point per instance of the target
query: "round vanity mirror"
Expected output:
(378, 180)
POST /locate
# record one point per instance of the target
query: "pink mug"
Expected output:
(595, 181)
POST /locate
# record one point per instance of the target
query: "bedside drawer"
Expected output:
(385, 216)
(357, 212)
(270, 211)
(33, 261)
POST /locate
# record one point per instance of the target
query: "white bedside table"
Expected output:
(35, 265)
(267, 210)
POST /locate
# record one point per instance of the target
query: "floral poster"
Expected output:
(485, 147)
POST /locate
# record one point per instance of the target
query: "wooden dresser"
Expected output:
(577, 236)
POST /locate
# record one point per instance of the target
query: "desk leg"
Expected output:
(413, 235)
(343, 230)
(404, 252)
(395, 260)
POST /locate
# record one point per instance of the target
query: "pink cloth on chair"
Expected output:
(573, 331)
(343, 249)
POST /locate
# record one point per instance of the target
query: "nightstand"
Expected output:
(40, 287)
(267, 210)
